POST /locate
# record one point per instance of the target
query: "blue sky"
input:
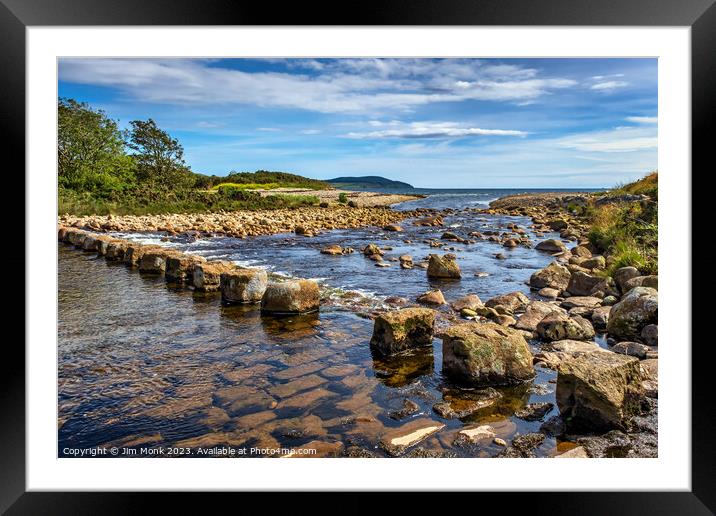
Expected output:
(440, 123)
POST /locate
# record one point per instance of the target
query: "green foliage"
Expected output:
(90, 151)
(102, 170)
(342, 198)
(628, 232)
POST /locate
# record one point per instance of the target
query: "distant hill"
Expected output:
(368, 183)
(276, 179)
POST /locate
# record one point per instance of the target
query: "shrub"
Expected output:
(342, 198)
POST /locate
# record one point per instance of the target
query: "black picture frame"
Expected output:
(17, 15)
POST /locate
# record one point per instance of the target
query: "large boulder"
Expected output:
(291, 297)
(243, 285)
(624, 274)
(514, 301)
(638, 308)
(402, 329)
(207, 276)
(557, 326)
(135, 251)
(553, 276)
(180, 267)
(551, 246)
(599, 391)
(486, 354)
(443, 267)
(154, 261)
(535, 312)
(75, 237)
(581, 283)
(552, 354)
(115, 250)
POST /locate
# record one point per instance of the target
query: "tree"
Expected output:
(90, 150)
(159, 157)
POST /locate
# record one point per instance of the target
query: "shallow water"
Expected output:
(144, 364)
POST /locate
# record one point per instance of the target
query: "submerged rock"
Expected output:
(637, 309)
(403, 329)
(486, 354)
(443, 267)
(455, 407)
(291, 297)
(599, 391)
(243, 285)
(398, 440)
(534, 411)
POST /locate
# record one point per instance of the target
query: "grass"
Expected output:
(627, 232)
(191, 202)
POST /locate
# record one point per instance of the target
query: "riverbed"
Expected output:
(146, 364)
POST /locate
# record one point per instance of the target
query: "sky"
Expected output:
(433, 123)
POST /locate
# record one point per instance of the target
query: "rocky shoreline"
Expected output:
(607, 398)
(239, 224)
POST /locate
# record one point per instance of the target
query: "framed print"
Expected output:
(424, 249)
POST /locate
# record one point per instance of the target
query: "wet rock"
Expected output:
(514, 301)
(624, 274)
(499, 441)
(471, 302)
(291, 297)
(553, 427)
(599, 391)
(393, 227)
(650, 334)
(551, 246)
(403, 329)
(556, 224)
(432, 297)
(333, 250)
(456, 407)
(316, 450)
(637, 309)
(522, 446)
(486, 354)
(535, 312)
(207, 276)
(409, 408)
(616, 444)
(504, 320)
(116, 250)
(406, 261)
(557, 326)
(500, 256)
(581, 283)
(633, 349)
(553, 276)
(180, 267)
(474, 434)
(429, 221)
(154, 262)
(371, 250)
(398, 440)
(534, 411)
(449, 235)
(243, 285)
(577, 452)
(443, 267)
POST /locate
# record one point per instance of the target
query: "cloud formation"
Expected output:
(332, 86)
(396, 129)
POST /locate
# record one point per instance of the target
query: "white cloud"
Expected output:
(609, 85)
(430, 130)
(335, 86)
(269, 129)
(642, 119)
(311, 131)
(621, 139)
(209, 125)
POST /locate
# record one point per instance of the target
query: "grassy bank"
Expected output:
(85, 203)
(624, 229)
